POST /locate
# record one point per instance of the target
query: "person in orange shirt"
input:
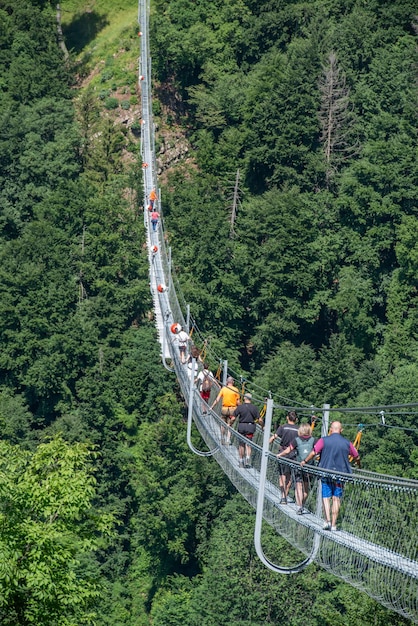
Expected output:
(152, 198)
(230, 401)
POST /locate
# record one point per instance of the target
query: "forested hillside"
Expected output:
(312, 287)
(106, 517)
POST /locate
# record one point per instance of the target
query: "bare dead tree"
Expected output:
(61, 41)
(82, 293)
(335, 116)
(235, 202)
(414, 24)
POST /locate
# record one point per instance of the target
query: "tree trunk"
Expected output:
(61, 41)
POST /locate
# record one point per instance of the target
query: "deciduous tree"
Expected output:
(48, 524)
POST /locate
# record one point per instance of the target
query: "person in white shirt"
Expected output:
(182, 340)
(205, 381)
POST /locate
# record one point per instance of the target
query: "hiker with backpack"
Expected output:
(303, 444)
(194, 354)
(205, 381)
(182, 339)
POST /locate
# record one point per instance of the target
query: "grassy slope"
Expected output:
(103, 33)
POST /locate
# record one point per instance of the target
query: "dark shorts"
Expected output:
(286, 470)
(301, 477)
(246, 435)
(182, 348)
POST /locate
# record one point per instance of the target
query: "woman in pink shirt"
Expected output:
(154, 219)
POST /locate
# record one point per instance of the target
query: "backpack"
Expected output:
(206, 383)
(304, 447)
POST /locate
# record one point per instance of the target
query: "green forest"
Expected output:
(306, 284)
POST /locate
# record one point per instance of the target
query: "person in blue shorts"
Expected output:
(334, 450)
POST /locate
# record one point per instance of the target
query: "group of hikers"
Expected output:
(155, 216)
(296, 442)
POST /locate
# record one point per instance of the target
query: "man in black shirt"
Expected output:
(286, 433)
(247, 413)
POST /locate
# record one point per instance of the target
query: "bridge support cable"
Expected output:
(165, 351)
(295, 569)
(376, 548)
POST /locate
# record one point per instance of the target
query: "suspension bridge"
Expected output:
(376, 549)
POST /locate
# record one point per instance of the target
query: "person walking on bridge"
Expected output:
(334, 450)
(303, 444)
(286, 433)
(183, 340)
(155, 216)
(152, 197)
(247, 414)
(205, 381)
(230, 401)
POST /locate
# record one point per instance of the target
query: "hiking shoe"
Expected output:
(302, 511)
(283, 501)
(248, 465)
(334, 528)
(241, 464)
(327, 526)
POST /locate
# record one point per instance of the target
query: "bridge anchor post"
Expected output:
(260, 505)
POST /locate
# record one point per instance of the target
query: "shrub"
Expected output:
(106, 75)
(112, 103)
